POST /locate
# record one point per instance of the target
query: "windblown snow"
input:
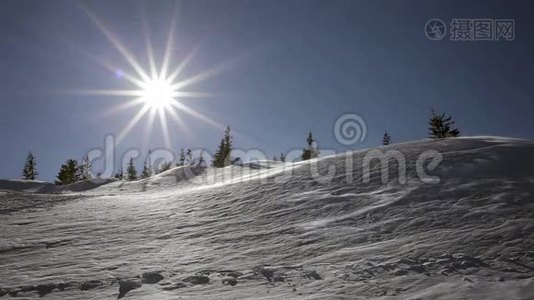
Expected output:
(271, 230)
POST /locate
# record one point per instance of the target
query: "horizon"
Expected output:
(294, 154)
(271, 72)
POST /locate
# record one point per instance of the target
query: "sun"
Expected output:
(158, 94)
(157, 90)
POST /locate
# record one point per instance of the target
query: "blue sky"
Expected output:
(289, 67)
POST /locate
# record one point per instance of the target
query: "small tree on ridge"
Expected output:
(68, 173)
(441, 126)
(223, 155)
(29, 172)
(311, 151)
(386, 140)
(131, 172)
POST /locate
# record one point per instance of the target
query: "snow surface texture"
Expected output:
(242, 232)
(42, 187)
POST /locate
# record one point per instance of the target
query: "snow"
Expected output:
(269, 230)
(43, 187)
(25, 185)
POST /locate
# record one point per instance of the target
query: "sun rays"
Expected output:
(156, 91)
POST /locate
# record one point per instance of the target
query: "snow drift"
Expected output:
(254, 231)
(36, 186)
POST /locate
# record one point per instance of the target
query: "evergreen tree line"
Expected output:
(440, 126)
(185, 159)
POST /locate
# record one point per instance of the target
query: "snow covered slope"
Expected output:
(257, 232)
(43, 187)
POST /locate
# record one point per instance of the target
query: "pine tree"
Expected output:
(181, 160)
(201, 161)
(146, 173)
(131, 172)
(441, 126)
(228, 143)
(149, 158)
(275, 158)
(85, 167)
(189, 157)
(69, 172)
(282, 157)
(223, 156)
(386, 140)
(29, 172)
(311, 151)
(218, 159)
(165, 166)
